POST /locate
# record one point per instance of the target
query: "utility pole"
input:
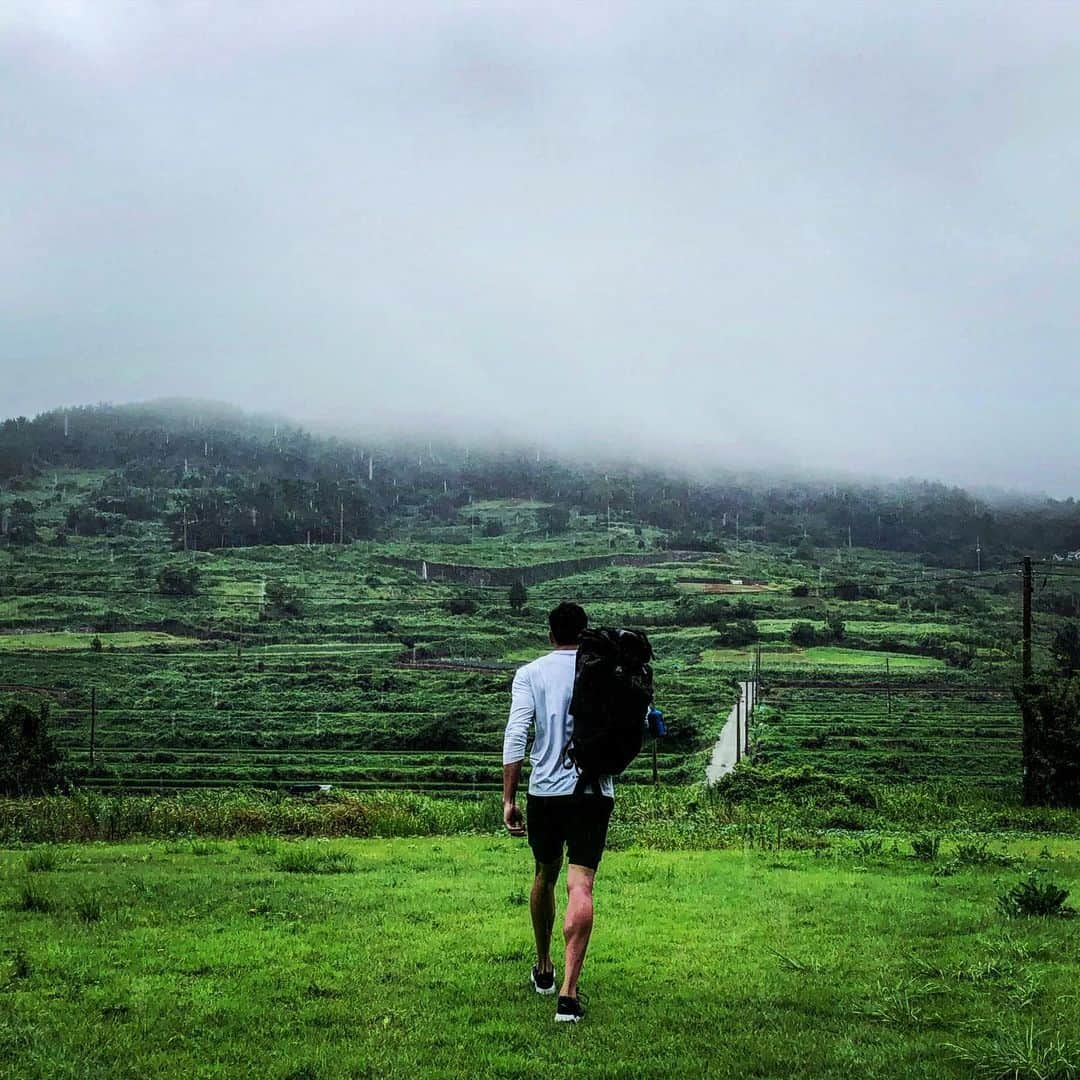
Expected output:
(1027, 621)
(738, 727)
(888, 689)
(341, 524)
(978, 555)
(1026, 710)
(93, 721)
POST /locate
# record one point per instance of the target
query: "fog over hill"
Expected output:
(219, 477)
(814, 237)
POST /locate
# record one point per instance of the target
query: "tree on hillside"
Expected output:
(518, 595)
(1052, 742)
(553, 519)
(30, 763)
(283, 599)
(178, 581)
(1066, 648)
(461, 605)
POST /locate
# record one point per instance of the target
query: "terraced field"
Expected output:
(905, 731)
(304, 713)
(382, 678)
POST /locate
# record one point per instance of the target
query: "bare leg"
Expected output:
(578, 925)
(542, 910)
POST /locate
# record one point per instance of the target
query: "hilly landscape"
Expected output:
(230, 600)
(272, 669)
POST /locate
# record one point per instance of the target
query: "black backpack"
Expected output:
(613, 689)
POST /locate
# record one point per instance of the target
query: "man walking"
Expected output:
(556, 817)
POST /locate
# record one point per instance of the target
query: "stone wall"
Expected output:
(538, 572)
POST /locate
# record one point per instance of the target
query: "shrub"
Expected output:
(518, 595)
(1053, 774)
(309, 859)
(33, 897)
(733, 634)
(178, 581)
(283, 599)
(926, 846)
(800, 590)
(803, 633)
(1034, 896)
(20, 965)
(88, 908)
(40, 860)
(30, 763)
(804, 785)
(976, 852)
(461, 606)
(868, 846)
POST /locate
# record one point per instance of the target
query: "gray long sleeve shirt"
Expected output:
(541, 699)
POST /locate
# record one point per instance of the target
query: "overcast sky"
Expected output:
(836, 235)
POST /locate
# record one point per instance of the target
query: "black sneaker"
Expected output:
(543, 981)
(570, 1011)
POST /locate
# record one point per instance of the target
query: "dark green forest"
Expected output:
(219, 477)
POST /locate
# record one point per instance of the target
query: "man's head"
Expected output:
(566, 622)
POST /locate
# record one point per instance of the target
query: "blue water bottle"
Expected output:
(657, 727)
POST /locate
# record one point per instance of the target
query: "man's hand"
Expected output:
(513, 819)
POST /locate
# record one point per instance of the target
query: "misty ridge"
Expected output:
(221, 477)
(839, 240)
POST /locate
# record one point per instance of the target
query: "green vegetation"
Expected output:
(295, 657)
(413, 960)
(917, 731)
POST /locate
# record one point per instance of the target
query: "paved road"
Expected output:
(724, 753)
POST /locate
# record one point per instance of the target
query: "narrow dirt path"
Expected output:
(726, 752)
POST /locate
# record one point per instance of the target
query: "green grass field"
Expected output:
(790, 657)
(238, 959)
(68, 641)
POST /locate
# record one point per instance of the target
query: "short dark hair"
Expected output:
(567, 622)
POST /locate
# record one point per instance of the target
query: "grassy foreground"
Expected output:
(410, 957)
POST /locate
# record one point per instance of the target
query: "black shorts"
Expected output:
(579, 822)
